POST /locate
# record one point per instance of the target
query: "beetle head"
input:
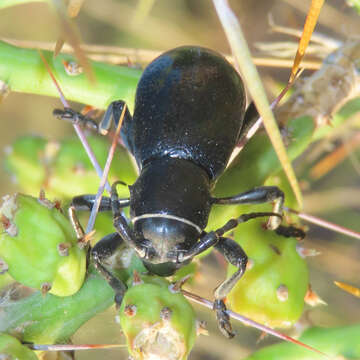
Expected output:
(162, 239)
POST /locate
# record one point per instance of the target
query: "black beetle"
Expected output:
(188, 117)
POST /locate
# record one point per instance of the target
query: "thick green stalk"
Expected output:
(23, 70)
(51, 319)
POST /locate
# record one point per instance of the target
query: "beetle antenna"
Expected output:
(77, 128)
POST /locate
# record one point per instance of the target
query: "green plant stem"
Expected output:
(8, 3)
(23, 71)
(51, 319)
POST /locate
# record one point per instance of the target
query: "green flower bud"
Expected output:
(273, 287)
(39, 246)
(157, 320)
(12, 349)
(25, 161)
(63, 168)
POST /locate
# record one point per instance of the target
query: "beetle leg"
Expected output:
(259, 195)
(210, 239)
(75, 117)
(86, 202)
(121, 225)
(100, 253)
(113, 113)
(236, 256)
(290, 231)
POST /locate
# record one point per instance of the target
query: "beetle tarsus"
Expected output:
(223, 319)
(290, 231)
(75, 117)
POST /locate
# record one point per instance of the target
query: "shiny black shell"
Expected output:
(189, 104)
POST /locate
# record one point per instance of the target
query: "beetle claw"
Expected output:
(223, 319)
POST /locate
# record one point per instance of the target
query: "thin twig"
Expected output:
(77, 128)
(99, 194)
(69, 347)
(246, 321)
(325, 224)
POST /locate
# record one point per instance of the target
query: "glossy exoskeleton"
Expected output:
(188, 117)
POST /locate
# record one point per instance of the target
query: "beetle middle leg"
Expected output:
(259, 195)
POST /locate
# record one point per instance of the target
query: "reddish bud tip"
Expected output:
(130, 310)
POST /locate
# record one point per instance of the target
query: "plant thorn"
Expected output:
(312, 298)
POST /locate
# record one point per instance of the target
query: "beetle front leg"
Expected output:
(236, 256)
(75, 117)
(211, 239)
(86, 202)
(100, 253)
(122, 226)
(112, 114)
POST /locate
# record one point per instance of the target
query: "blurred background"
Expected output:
(335, 196)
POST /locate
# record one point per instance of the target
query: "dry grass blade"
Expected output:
(309, 26)
(103, 180)
(333, 159)
(74, 7)
(348, 288)
(71, 35)
(73, 10)
(243, 58)
(142, 11)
